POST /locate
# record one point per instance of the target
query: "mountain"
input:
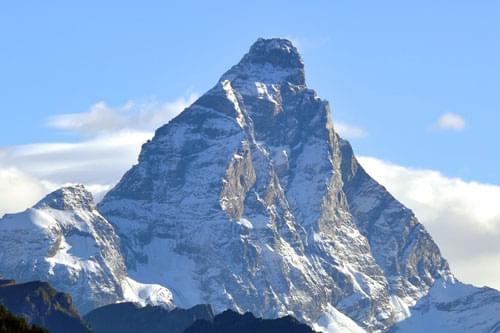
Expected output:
(453, 308)
(230, 321)
(64, 240)
(249, 200)
(38, 303)
(132, 318)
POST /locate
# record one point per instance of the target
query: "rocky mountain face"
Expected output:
(63, 239)
(400, 245)
(131, 318)
(38, 303)
(249, 200)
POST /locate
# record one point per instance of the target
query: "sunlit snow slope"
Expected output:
(64, 240)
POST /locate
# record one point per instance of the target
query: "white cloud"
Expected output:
(30, 171)
(103, 119)
(450, 121)
(463, 217)
(349, 131)
(113, 142)
(100, 160)
(18, 190)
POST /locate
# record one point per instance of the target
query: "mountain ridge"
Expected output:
(249, 200)
(64, 240)
(132, 318)
(40, 304)
(255, 166)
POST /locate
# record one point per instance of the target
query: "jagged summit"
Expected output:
(68, 197)
(41, 304)
(243, 196)
(272, 60)
(275, 51)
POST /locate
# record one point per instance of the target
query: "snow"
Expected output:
(64, 240)
(263, 92)
(401, 309)
(39, 219)
(302, 240)
(76, 253)
(246, 223)
(84, 247)
(448, 289)
(146, 294)
(240, 118)
(168, 268)
(452, 306)
(367, 204)
(259, 221)
(334, 321)
(264, 73)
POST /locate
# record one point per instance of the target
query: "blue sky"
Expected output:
(389, 67)
(414, 86)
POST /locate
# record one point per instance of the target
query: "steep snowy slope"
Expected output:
(401, 246)
(454, 307)
(248, 200)
(40, 304)
(64, 240)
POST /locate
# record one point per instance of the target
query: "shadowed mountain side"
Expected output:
(132, 318)
(40, 304)
(231, 322)
(12, 324)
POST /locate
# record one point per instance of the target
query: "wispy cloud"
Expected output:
(95, 161)
(450, 121)
(113, 138)
(28, 172)
(463, 217)
(104, 119)
(349, 131)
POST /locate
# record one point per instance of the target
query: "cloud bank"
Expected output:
(19, 190)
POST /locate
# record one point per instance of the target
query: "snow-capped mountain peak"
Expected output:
(277, 52)
(249, 200)
(63, 239)
(68, 198)
(269, 61)
(255, 204)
